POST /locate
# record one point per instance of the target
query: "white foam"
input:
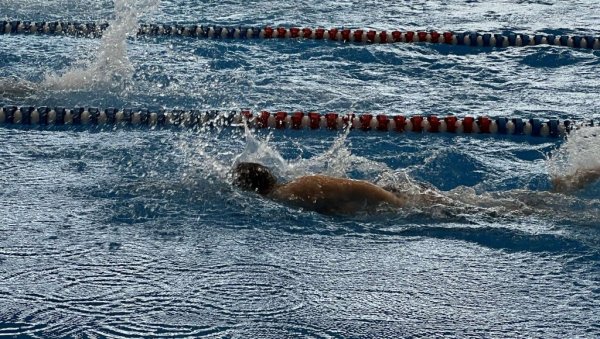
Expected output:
(109, 66)
(580, 153)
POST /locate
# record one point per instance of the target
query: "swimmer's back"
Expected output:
(332, 195)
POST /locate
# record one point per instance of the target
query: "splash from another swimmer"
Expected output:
(577, 163)
(109, 68)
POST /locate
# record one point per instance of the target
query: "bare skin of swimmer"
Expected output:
(334, 195)
(320, 193)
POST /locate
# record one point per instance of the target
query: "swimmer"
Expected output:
(331, 195)
(323, 194)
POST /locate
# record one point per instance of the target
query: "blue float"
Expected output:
(43, 114)
(460, 38)
(473, 38)
(127, 113)
(512, 39)
(26, 115)
(499, 40)
(519, 126)
(76, 114)
(564, 40)
(111, 115)
(256, 32)
(487, 39)
(501, 122)
(536, 127)
(553, 126)
(94, 114)
(60, 115)
(144, 116)
(9, 114)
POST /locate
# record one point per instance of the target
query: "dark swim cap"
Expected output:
(254, 177)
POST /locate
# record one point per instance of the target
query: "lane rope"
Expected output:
(473, 39)
(279, 120)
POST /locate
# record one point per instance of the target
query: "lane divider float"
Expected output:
(60, 116)
(474, 39)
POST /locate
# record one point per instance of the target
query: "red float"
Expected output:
(451, 123)
(365, 122)
(400, 122)
(383, 122)
(346, 35)
(263, 119)
(315, 120)
(281, 32)
(468, 124)
(448, 37)
(383, 37)
(371, 36)
(348, 119)
(280, 119)
(434, 123)
(294, 32)
(268, 32)
(484, 124)
(319, 33)
(417, 121)
(331, 119)
(247, 114)
(297, 120)
(333, 34)
(358, 35)
(307, 33)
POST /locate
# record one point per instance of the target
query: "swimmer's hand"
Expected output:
(332, 195)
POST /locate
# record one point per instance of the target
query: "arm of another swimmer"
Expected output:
(325, 193)
(579, 180)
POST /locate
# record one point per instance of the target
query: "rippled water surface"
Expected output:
(132, 232)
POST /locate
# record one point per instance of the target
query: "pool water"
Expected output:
(137, 232)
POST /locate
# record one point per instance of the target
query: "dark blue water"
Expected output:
(137, 233)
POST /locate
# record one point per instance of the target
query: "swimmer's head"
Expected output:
(254, 177)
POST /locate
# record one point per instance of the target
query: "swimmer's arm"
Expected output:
(572, 182)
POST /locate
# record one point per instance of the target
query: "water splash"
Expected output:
(260, 151)
(110, 67)
(577, 162)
